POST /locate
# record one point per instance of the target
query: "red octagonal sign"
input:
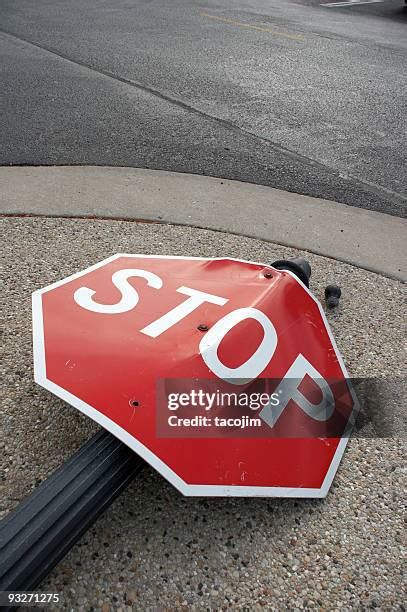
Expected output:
(222, 374)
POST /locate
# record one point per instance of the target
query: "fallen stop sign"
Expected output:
(222, 374)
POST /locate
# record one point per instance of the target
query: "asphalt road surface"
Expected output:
(291, 94)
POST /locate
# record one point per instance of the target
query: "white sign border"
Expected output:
(186, 489)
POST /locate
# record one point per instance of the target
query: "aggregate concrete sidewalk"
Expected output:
(154, 548)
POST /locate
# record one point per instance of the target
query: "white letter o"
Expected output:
(251, 368)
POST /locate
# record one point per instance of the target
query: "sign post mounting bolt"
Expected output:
(298, 266)
(332, 295)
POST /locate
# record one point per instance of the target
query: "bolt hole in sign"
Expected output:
(221, 373)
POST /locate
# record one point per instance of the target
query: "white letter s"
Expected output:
(130, 297)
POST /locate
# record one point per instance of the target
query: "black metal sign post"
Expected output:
(45, 525)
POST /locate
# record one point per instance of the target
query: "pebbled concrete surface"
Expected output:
(279, 93)
(155, 549)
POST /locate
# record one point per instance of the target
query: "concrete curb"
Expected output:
(367, 239)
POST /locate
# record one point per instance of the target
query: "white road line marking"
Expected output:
(350, 2)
